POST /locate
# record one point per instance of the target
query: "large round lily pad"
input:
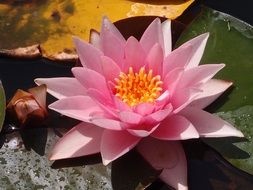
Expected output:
(230, 42)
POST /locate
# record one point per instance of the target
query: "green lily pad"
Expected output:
(2, 105)
(230, 42)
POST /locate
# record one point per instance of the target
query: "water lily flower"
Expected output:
(131, 93)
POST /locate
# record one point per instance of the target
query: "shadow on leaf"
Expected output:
(35, 139)
(131, 171)
(80, 161)
(227, 148)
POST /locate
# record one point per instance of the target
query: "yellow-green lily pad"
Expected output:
(52, 23)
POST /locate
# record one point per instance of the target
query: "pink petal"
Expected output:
(161, 114)
(77, 107)
(155, 59)
(166, 155)
(152, 36)
(88, 55)
(175, 127)
(199, 75)
(103, 102)
(162, 100)
(211, 91)
(97, 96)
(209, 125)
(177, 176)
(108, 123)
(134, 55)
(166, 28)
(120, 105)
(107, 25)
(142, 132)
(84, 139)
(178, 58)
(130, 117)
(160, 154)
(198, 44)
(115, 144)
(110, 69)
(112, 45)
(172, 79)
(95, 39)
(183, 97)
(62, 87)
(144, 108)
(91, 79)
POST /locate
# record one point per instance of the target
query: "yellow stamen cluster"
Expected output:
(134, 88)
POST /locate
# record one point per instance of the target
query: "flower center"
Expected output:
(134, 88)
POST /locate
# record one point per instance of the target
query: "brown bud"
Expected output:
(28, 108)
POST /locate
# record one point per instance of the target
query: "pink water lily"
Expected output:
(131, 93)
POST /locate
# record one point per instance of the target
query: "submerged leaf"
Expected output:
(53, 23)
(23, 169)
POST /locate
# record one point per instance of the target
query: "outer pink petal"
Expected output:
(152, 35)
(172, 79)
(211, 91)
(134, 55)
(155, 59)
(115, 144)
(100, 97)
(112, 45)
(177, 176)
(198, 44)
(166, 28)
(110, 69)
(107, 25)
(77, 107)
(142, 132)
(199, 75)
(88, 54)
(209, 125)
(108, 123)
(179, 57)
(103, 102)
(62, 87)
(91, 79)
(160, 154)
(183, 97)
(84, 139)
(167, 156)
(175, 127)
